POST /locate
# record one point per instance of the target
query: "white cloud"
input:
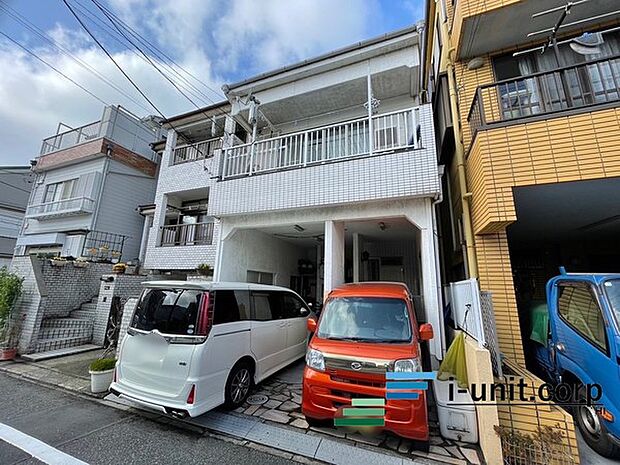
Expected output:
(215, 40)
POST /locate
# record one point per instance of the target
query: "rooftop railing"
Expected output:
(513, 100)
(58, 208)
(390, 132)
(72, 137)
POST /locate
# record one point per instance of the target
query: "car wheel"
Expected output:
(238, 385)
(422, 446)
(593, 428)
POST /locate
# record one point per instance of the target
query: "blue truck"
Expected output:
(577, 344)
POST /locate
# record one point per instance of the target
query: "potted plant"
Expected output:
(80, 262)
(101, 374)
(10, 290)
(204, 270)
(58, 261)
(119, 268)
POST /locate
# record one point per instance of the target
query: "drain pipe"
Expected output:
(437, 201)
(471, 262)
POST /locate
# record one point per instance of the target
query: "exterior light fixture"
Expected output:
(382, 226)
(475, 63)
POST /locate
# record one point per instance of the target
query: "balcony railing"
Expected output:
(59, 208)
(391, 132)
(187, 234)
(584, 85)
(70, 138)
(197, 151)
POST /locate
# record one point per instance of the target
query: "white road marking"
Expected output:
(38, 449)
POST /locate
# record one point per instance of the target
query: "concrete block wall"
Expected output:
(68, 287)
(27, 312)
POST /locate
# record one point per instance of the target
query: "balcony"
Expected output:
(187, 234)
(197, 151)
(73, 137)
(391, 132)
(61, 208)
(561, 91)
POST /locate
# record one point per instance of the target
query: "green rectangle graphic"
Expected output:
(350, 421)
(363, 412)
(368, 402)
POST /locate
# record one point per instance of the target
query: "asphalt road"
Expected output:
(98, 435)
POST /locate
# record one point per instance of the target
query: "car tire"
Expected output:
(238, 385)
(593, 429)
(421, 446)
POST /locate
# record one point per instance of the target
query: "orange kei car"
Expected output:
(365, 330)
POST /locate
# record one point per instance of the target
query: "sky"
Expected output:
(214, 41)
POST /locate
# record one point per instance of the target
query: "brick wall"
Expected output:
(128, 309)
(27, 307)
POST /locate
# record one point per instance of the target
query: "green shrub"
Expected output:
(10, 289)
(103, 364)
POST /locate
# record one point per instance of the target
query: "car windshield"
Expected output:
(365, 319)
(169, 311)
(612, 289)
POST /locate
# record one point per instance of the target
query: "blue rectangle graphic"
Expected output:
(402, 395)
(423, 385)
(419, 375)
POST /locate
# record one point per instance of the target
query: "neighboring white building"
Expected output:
(15, 186)
(89, 182)
(336, 181)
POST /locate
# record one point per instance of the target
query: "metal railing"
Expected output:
(187, 234)
(75, 206)
(586, 84)
(390, 132)
(103, 246)
(70, 138)
(197, 151)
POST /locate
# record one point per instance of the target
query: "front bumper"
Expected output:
(323, 395)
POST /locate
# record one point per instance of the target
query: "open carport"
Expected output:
(570, 224)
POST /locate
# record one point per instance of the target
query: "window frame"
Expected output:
(574, 284)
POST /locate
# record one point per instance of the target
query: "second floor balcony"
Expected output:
(184, 153)
(384, 133)
(61, 208)
(579, 87)
(187, 234)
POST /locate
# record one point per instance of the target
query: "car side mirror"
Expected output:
(426, 332)
(311, 324)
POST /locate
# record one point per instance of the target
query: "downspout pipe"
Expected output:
(437, 201)
(459, 155)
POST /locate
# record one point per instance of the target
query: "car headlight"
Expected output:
(407, 365)
(315, 360)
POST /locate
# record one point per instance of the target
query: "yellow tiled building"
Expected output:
(528, 128)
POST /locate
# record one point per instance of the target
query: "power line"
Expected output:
(126, 75)
(154, 65)
(157, 52)
(33, 28)
(114, 34)
(52, 67)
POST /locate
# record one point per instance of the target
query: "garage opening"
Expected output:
(570, 224)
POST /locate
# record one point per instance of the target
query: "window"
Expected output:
(264, 306)
(292, 306)
(169, 311)
(60, 191)
(231, 306)
(578, 306)
(259, 277)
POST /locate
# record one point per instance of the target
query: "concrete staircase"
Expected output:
(66, 335)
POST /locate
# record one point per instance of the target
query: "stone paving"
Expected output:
(283, 406)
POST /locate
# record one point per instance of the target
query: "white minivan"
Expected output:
(192, 346)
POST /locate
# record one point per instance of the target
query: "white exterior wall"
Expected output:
(390, 176)
(175, 179)
(254, 250)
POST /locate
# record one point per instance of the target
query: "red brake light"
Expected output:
(205, 315)
(192, 394)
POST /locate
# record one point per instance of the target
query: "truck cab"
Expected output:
(578, 343)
